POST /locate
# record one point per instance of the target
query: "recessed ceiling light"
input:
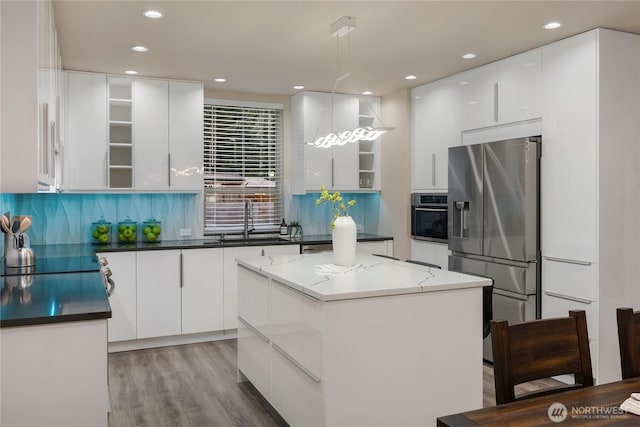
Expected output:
(464, 82)
(552, 25)
(139, 48)
(469, 55)
(153, 14)
(131, 72)
(220, 79)
(367, 92)
(410, 77)
(298, 87)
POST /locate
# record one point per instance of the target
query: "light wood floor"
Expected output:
(195, 385)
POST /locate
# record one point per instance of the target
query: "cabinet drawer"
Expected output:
(557, 305)
(296, 324)
(297, 396)
(569, 278)
(254, 357)
(253, 297)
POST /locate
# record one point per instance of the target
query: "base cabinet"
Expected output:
(321, 363)
(202, 290)
(123, 324)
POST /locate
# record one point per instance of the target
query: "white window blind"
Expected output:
(242, 160)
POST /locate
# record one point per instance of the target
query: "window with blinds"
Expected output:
(242, 161)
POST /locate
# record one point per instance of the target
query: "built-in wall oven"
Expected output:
(429, 217)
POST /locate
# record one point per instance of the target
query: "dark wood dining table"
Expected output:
(589, 406)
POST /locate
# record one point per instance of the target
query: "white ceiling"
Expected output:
(266, 47)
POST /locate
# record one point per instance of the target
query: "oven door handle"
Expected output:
(431, 209)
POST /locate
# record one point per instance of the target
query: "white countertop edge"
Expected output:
(261, 265)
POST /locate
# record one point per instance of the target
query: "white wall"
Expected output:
(396, 171)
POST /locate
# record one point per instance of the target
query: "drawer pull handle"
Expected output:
(254, 330)
(575, 299)
(568, 261)
(299, 365)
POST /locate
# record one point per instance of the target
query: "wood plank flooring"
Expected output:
(195, 385)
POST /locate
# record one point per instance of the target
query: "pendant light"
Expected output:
(339, 29)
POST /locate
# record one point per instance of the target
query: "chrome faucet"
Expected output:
(248, 213)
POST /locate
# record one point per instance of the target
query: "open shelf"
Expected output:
(120, 132)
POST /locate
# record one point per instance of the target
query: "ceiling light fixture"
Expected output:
(153, 14)
(410, 77)
(367, 92)
(131, 72)
(340, 28)
(469, 55)
(220, 79)
(552, 25)
(139, 48)
(298, 87)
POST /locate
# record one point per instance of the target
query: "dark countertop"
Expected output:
(65, 284)
(52, 298)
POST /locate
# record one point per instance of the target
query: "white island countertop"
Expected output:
(371, 276)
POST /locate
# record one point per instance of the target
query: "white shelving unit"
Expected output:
(367, 156)
(120, 138)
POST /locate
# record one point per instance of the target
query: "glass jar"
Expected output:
(101, 232)
(151, 230)
(127, 231)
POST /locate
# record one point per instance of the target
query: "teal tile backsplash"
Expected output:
(60, 218)
(66, 218)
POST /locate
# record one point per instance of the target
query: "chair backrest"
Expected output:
(540, 349)
(426, 264)
(629, 339)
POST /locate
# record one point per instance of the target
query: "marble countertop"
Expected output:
(371, 276)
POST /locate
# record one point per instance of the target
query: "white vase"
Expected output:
(343, 239)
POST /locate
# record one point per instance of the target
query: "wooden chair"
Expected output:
(426, 264)
(540, 349)
(629, 339)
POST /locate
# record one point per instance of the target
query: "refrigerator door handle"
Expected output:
(461, 219)
(567, 297)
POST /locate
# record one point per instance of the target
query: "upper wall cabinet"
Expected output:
(348, 167)
(30, 114)
(502, 92)
(149, 131)
(436, 127)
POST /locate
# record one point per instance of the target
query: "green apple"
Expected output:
(95, 234)
(121, 227)
(127, 232)
(155, 229)
(151, 237)
(104, 238)
(102, 229)
(121, 237)
(146, 230)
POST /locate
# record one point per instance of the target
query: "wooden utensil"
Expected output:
(15, 224)
(25, 223)
(4, 224)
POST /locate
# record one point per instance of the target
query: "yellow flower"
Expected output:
(336, 199)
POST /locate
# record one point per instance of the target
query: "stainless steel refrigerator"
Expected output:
(494, 222)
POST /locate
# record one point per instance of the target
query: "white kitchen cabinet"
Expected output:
(369, 151)
(569, 148)
(159, 303)
(435, 253)
(230, 271)
(202, 290)
(151, 134)
(519, 87)
(30, 97)
(436, 127)
(382, 247)
(139, 134)
(186, 101)
(478, 90)
(315, 114)
(86, 132)
(589, 180)
(231, 274)
(123, 323)
(254, 354)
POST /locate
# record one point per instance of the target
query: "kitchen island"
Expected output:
(379, 344)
